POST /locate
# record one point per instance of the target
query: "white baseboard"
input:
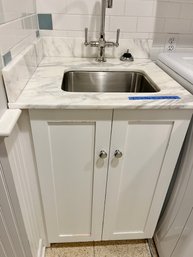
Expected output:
(41, 249)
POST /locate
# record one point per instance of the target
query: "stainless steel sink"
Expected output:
(107, 81)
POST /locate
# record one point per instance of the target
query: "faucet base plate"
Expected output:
(101, 59)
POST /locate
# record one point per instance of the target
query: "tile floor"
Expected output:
(135, 248)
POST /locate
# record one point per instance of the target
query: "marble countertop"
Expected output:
(8, 121)
(43, 91)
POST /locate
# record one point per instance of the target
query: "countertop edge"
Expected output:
(8, 121)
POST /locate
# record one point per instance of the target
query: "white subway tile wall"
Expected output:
(14, 9)
(131, 16)
(142, 20)
(137, 19)
(18, 22)
(14, 32)
(18, 26)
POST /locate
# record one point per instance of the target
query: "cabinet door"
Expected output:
(137, 183)
(72, 176)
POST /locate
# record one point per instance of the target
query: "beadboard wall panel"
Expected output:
(21, 157)
(13, 240)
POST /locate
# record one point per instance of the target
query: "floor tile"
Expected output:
(135, 248)
(70, 250)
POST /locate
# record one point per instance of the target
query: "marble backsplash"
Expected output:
(67, 46)
(74, 47)
(19, 71)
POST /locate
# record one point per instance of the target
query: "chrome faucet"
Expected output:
(102, 43)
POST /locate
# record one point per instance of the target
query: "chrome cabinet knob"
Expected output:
(102, 154)
(118, 154)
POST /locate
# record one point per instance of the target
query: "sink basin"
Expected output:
(107, 81)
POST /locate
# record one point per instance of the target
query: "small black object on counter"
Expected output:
(127, 57)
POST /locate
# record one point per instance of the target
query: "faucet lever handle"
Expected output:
(110, 3)
(86, 43)
(117, 38)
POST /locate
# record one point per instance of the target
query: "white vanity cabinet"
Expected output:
(87, 197)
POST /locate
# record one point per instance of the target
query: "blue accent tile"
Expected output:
(45, 21)
(7, 58)
(37, 33)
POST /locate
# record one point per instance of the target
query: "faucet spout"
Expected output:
(101, 43)
(103, 14)
(105, 4)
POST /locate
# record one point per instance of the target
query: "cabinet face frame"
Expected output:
(50, 129)
(104, 122)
